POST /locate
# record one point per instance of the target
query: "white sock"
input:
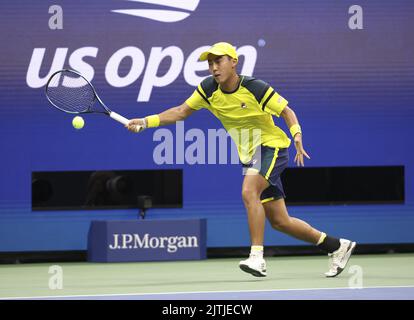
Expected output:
(257, 251)
(322, 238)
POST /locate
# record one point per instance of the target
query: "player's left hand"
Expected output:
(300, 152)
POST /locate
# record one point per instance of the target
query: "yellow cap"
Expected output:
(220, 49)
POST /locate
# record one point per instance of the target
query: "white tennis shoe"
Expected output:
(339, 258)
(255, 265)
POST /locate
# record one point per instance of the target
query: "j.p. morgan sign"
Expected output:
(147, 240)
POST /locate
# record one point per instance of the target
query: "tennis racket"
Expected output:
(70, 92)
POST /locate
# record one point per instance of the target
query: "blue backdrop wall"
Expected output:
(352, 90)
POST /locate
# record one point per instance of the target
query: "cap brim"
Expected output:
(204, 55)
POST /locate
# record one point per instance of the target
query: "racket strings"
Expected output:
(70, 92)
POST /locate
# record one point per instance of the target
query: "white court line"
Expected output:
(198, 292)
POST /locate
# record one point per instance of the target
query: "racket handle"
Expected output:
(119, 118)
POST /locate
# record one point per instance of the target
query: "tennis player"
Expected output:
(245, 103)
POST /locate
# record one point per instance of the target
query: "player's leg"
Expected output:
(253, 186)
(340, 250)
(278, 216)
(254, 183)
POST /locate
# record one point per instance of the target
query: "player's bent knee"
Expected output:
(280, 224)
(249, 195)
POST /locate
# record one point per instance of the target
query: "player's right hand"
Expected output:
(136, 125)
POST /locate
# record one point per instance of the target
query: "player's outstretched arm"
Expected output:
(169, 116)
(293, 124)
(175, 114)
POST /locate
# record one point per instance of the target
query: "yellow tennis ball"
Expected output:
(78, 122)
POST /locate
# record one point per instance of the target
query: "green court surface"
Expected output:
(211, 275)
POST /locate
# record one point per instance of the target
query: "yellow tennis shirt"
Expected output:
(245, 113)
